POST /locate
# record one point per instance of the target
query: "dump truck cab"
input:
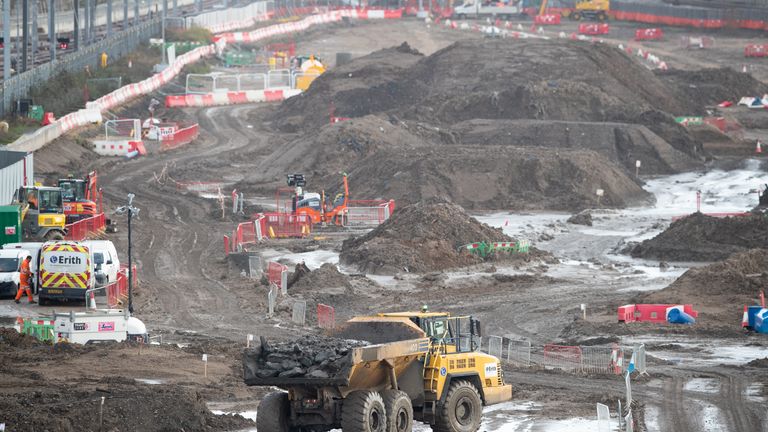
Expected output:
(42, 212)
(420, 366)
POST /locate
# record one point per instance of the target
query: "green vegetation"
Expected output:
(192, 34)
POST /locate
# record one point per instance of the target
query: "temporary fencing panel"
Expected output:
(252, 82)
(754, 50)
(271, 300)
(85, 228)
(43, 330)
(299, 313)
(368, 212)
(629, 422)
(200, 84)
(649, 34)
(286, 225)
(608, 360)
(519, 352)
(117, 292)
(603, 418)
(551, 19)
(279, 78)
(254, 267)
(181, 137)
(567, 358)
(700, 42)
(326, 316)
(494, 346)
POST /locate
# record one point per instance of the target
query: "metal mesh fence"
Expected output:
(602, 359)
(254, 267)
(299, 313)
(519, 352)
(129, 129)
(603, 418)
(494, 346)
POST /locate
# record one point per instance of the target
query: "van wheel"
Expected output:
(363, 411)
(399, 411)
(461, 411)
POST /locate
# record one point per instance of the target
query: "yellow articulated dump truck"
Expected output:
(378, 374)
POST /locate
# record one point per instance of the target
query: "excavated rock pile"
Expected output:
(419, 238)
(310, 356)
(325, 276)
(704, 238)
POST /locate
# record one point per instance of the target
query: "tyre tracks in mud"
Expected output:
(175, 236)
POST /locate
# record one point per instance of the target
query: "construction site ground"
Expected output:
(707, 376)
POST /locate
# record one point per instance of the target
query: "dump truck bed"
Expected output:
(368, 357)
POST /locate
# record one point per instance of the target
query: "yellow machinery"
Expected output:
(422, 366)
(306, 70)
(591, 9)
(42, 212)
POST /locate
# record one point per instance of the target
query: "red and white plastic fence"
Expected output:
(229, 98)
(594, 29)
(326, 316)
(656, 313)
(85, 228)
(179, 137)
(756, 50)
(649, 34)
(550, 19)
(285, 225)
(369, 212)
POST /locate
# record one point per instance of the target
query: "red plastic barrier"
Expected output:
(326, 316)
(117, 292)
(551, 19)
(755, 50)
(84, 228)
(594, 29)
(656, 313)
(181, 137)
(285, 225)
(275, 273)
(649, 34)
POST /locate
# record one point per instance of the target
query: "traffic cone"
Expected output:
(745, 319)
(758, 147)
(93, 301)
(744, 68)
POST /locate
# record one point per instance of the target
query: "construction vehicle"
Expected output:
(589, 9)
(423, 366)
(305, 70)
(65, 271)
(478, 9)
(42, 213)
(80, 197)
(316, 205)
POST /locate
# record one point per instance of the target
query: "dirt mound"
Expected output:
(621, 143)
(582, 218)
(759, 363)
(10, 339)
(500, 80)
(327, 276)
(419, 238)
(704, 238)
(413, 162)
(708, 87)
(75, 407)
(311, 356)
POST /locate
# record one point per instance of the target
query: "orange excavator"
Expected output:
(316, 205)
(81, 197)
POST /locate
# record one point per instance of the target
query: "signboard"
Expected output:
(66, 262)
(10, 230)
(107, 326)
(81, 326)
(491, 370)
(166, 132)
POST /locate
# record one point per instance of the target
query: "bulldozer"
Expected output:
(80, 197)
(42, 213)
(422, 366)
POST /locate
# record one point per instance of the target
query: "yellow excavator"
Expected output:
(422, 365)
(590, 9)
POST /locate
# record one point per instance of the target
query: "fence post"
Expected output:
(299, 313)
(603, 418)
(271, 297)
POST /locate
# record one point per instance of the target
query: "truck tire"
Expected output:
(275, 408)
(53, 235)
(461, 411)
(399, 411)
(363, 411)
(601, 16)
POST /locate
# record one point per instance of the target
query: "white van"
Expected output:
(106, 264)
(33, 249)
(10, 270)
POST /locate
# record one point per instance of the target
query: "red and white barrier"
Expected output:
(229, 98)
(180, 137)
(656, 313)
(551, 19)
(756, 50)
(118, 147)
(649, 34)
(594, 29)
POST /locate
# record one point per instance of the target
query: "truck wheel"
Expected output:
(53, 235)
(275, 409)
(363, 411)
(601, 16)
(461, 411)
(399, 411)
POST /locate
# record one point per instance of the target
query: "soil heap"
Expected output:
(704, 238)
(419, 238)
(326, 276)
(310, 356)
(409, 163)
(733, 282)
(482, 79)
(707, 87)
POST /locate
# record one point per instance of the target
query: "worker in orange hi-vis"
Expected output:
(24, 278)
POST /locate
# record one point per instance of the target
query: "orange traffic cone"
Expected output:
(745, 319)
(93, 301)
(758, 147)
